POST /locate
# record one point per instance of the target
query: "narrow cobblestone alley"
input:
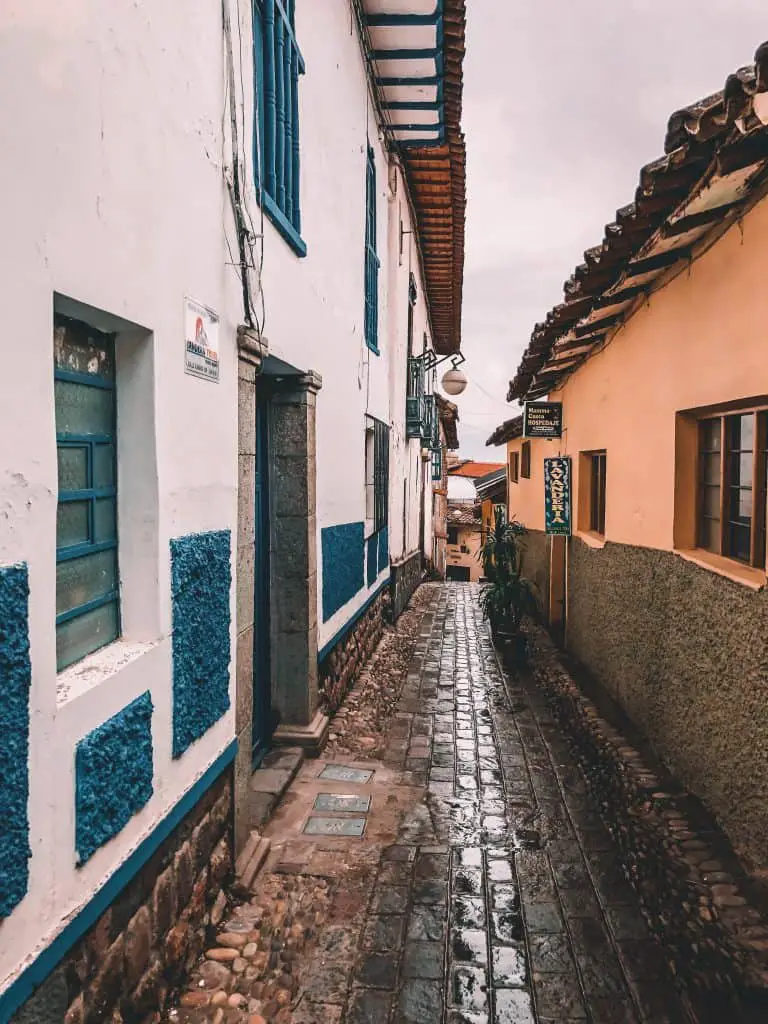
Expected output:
(484, 888)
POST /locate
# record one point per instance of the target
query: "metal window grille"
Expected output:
(380, 474)
(87, 597)
(415, 398)
(371, 259)
(278, 64)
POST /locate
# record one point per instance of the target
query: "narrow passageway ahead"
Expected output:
(460, 877)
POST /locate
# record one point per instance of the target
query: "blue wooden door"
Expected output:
(262, 705)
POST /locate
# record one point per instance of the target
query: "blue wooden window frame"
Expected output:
(89, 443)
(278, 64)
(371, 258)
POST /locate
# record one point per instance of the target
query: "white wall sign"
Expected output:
(201, 340)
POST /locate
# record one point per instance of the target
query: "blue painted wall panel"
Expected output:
(383, 549)
(15, 678)
(372, 559)
(201, 578)
(113, 775)
(343, 565)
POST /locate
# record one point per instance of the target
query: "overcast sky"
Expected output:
(564, 101)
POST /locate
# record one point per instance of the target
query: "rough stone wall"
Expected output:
(684, 652)
(406, 576)
(687, 879)
(125, 968)
(343, 665)
(536, 565)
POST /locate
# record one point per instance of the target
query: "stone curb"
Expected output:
(716, 944)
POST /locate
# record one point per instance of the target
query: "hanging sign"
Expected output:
(543, 419)
(557, 496)
(201, 341)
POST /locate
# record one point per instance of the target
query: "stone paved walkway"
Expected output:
(484, 889)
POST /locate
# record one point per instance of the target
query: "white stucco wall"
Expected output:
(111, 194)
(315, 304)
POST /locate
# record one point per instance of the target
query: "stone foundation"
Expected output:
(341, 668)
(125, 968)
(406, 576)
(689, 883)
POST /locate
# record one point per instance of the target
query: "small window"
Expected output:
(597, 476)
(87, 604)
(732, 486)
(371, 258)
(376, 475)
(278, 64)
(514, 467)
(525, 461)
(453, 535)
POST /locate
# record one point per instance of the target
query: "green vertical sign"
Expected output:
(557, 496)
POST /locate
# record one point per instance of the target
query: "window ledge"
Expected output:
(591, 538)
(747, 575)
(282, 224)
(95, 668)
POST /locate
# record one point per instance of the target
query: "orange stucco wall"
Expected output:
(701, 340)
(680, 647)
(470, 538)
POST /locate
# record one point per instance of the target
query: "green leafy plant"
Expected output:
(508, 596)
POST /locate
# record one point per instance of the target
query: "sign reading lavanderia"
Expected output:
(201, 340)
(543, 419)
(557, 496)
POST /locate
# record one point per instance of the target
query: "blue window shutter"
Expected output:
(371, 258)
(278, 64)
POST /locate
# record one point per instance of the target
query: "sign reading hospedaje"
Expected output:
(543, 419)
(557, 496)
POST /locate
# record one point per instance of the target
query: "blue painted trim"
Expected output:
(89, 606)
(425, 53)
(282, 224)
(89, 379)
(87, 492)
(402, 20)
(412, 105)
(434, 127)
(81, 550)
(326, 650)
(399, 80)
(23, 987)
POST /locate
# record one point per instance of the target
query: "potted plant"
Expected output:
(507, 597)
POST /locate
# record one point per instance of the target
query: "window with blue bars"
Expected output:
(371, 259)
(87, 599)
(278, 64)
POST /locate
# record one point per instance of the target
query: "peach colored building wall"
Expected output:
(469, 537)
(680, 641)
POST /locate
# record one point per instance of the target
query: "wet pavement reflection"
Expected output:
(515, 909)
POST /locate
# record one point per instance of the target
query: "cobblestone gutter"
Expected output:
(342, 667)
(716, 944)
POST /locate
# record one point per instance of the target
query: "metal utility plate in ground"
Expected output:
(319, 826)
(336, 804)
(343, 773)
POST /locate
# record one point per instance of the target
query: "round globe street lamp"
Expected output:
(454, 380)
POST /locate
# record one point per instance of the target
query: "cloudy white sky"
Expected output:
(564, 100)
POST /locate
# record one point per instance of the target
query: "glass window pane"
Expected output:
(710, 435)
(86, 633)
(741, 504)
(741, 469)
(743, 431)
(104, 520)
(104, 465)
(711, 468)
(738, 542)
(710, 534)
(73, 468)
(712, 502)
(72, 523)
(81, 409)
(79, 349)
(81, 580)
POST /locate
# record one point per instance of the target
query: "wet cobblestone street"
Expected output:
(484, 889)
(501, 900)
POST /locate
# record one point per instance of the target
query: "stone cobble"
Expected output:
(502, 901)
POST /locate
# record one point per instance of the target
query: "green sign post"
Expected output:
(557, 496)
